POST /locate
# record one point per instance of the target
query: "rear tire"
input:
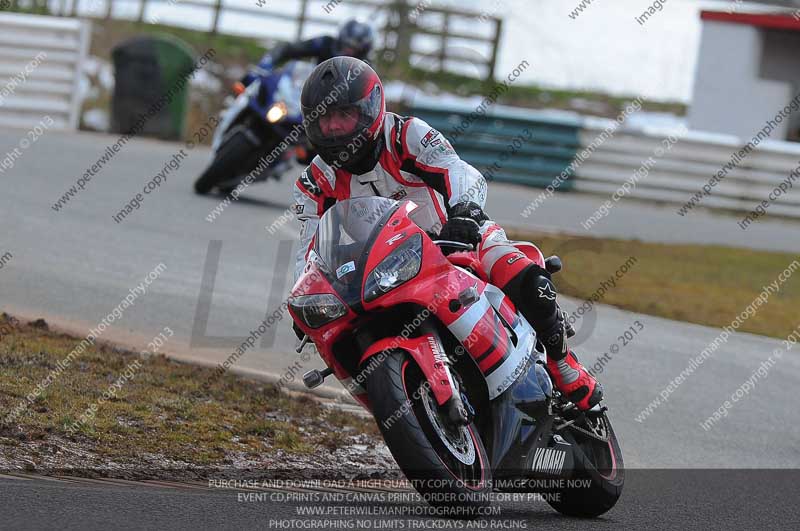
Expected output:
(226, 164)
(397, 395)
(601, 469)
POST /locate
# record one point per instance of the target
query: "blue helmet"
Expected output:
(356, 39)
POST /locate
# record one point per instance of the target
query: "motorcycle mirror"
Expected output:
(303, 344)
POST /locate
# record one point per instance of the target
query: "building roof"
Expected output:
(761, 20)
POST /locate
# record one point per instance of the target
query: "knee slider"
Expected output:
(533, 293)
(540, 293)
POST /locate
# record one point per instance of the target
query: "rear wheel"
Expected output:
(599, 470)
(447, 464)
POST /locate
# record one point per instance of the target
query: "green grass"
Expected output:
(530, 96)
(701, 284)
(229, 48)
(166, 409)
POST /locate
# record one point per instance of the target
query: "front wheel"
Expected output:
(446, 464)
(231, 160)
(599, 470)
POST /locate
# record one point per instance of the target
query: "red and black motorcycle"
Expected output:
(453, 374)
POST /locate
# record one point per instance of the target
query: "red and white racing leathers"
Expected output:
(418, 164)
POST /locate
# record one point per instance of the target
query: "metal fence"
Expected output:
(685, 168)
(529, 148)
(505, 145)
(40, 64)
(407, 27)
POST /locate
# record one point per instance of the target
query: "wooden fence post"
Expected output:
(142, 7)
(498, 30)
(443, 48)
(215, 22)
(301, 19)
(404, 31)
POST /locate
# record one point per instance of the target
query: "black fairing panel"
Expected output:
(519, 415)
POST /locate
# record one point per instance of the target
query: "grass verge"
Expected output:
(528, 96)
(166, 416)
(703, 284)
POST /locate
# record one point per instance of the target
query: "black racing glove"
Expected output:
(463, 225)
(470, 210)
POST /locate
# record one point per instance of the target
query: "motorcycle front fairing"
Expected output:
(283, 85)
(358, 235)
(499, 340)
(231, 114)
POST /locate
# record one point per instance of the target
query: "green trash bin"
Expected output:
(151, 90)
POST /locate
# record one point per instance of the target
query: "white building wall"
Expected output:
(729, 96)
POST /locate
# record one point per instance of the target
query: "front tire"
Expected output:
(448, 466)
(227, 163)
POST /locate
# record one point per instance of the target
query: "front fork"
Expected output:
(458, 409)
(429, 354)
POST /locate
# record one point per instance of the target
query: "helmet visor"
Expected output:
(339, 122)
(338, 125)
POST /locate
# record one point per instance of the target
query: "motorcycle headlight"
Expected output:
(277, 112)
(399, 267)
(317, 310)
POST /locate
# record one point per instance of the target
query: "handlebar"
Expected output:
(458, 245)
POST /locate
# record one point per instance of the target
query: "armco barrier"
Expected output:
(507, 146)
(40, 63)
(682, 170)
(678, 173)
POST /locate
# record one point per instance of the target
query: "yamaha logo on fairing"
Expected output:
(438, 355)
(548, 460)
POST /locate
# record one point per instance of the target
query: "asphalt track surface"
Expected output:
(74, 266)
(684, 500)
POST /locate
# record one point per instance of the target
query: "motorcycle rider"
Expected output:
(355, 39)
(363, 150)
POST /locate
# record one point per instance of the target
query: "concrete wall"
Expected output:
(781, 62)
(730, 96)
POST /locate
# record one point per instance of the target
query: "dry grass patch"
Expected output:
(703, 284)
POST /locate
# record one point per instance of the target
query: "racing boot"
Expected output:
(570, 377)
(534, 294)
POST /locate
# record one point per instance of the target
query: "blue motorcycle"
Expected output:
(261, 132)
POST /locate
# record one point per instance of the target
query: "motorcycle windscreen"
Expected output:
(344, 237)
